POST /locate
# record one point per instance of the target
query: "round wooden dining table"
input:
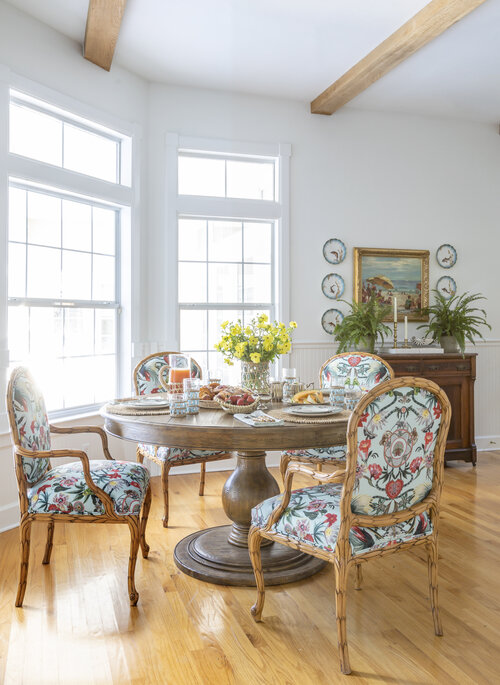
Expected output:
(220, 555)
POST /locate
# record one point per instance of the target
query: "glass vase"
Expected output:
(256, 377)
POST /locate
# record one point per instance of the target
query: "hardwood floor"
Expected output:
(77, 626)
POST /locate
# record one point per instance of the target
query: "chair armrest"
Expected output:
(75, 454)
(296, 467)
(85, 429)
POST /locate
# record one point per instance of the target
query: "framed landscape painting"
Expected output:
(403, 274)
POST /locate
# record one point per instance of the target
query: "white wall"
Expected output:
(371, 179)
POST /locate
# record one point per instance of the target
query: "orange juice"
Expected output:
(178, 375)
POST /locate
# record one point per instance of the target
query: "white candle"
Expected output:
(406, 328)
(395, 302)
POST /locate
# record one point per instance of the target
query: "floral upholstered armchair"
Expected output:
(369, 370)
(146, 380)
(84, 491)
(386, 500)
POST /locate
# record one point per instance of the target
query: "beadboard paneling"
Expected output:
(307, 358)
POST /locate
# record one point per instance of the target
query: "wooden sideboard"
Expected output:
(456, 375)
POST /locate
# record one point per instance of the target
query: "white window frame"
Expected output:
(124, 196)
(277, 211)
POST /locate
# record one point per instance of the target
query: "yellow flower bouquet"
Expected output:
(259, 341)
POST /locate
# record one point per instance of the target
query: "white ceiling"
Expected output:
(296, 48)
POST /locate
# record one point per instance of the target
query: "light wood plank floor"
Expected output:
(77, 625)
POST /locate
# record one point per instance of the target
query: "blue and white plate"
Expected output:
(334, 251)
(333, 286)
(447, 287)
(330, 319)
(446, 256)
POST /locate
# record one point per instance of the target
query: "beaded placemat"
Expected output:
(121, 407)
(293, 418)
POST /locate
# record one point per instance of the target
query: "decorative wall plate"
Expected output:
(446, 256)
(447, 287)
(330, 319)
(333, 286)
(334, 251)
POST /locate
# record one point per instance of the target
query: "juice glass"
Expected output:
(180, 368)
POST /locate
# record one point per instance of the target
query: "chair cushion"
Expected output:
(313, 517)
(324, 454)
(63, 489)
(177, 455)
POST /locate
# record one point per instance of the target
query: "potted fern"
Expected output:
(360, 329)
(455, 321)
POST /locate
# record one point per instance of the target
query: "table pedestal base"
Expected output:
(207, 555)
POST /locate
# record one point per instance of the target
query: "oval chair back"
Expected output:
(369, 369)
(146, 373)
(29, 423)
(396, 439)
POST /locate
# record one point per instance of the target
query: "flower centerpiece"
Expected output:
(255, 345)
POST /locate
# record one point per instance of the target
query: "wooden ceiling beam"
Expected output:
(101, 33)
(430, 22)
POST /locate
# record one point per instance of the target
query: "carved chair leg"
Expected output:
(133, 524)
(254, 542)
(340, 610)
(139, 455)
(144, 521)
(285, 460)
(432, 565)
(202, 478)
(48, 546)
(165, 468)
(25, 533)
(358, 579)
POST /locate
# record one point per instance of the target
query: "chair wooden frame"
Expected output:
(164, 465)
(136, 523)
(341, 557)
(286, 458)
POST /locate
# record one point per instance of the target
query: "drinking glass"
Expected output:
(289, 384)
(179, 369)
(178, 404)
(192, 392)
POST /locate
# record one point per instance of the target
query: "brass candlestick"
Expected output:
(395, 334)
(406, 343)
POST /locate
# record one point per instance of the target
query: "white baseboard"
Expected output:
(485, 443)
(9, 516)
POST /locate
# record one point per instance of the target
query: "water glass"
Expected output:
(352, 397)
(192, 393)
(337, 392)
(178, 404)
(289, 384)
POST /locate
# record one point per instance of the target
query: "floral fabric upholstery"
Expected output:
(368, 371)
(63, 489)
(326, 454)
(313, 517)
(147, 374)
(177, 455)
(31, 422)
(396, 440)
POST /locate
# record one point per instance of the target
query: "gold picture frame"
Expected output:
(403, 274)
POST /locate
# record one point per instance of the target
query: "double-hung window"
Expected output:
(231, 222)
(64, 233)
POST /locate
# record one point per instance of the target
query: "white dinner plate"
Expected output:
(313, 410)
(148, 403)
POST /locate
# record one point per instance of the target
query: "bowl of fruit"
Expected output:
(237, 401)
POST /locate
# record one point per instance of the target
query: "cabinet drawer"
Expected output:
(406, 367)
(448, 366)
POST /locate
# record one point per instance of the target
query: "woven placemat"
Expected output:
(293, 418)
(121, 407)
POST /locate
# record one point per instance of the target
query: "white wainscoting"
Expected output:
(307, 358)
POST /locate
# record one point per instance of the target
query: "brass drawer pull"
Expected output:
(412, 369)
(462, 367)
(434, 367)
